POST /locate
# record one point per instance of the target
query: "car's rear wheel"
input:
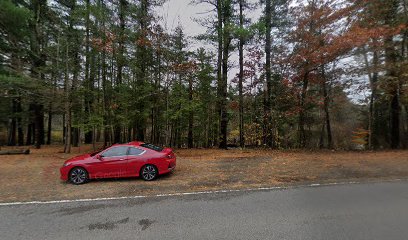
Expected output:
(149, 172)
(78, 176)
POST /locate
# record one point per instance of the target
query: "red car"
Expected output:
(132, 159)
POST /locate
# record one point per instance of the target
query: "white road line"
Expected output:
(186, 193)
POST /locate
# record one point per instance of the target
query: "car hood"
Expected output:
(78, 158)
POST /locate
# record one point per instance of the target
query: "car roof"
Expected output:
(134, 143)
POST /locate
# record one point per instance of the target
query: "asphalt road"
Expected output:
(357, 211)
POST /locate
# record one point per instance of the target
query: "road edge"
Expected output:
(198, 192)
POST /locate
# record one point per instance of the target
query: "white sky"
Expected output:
(182, 12)
(175, 12)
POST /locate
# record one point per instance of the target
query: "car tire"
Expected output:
(149, 172)
(78, 175)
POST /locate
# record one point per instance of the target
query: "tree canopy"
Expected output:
(309, 74)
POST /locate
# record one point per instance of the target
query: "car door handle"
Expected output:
(121, 159)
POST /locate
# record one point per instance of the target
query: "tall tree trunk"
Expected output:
(38, 61)
(241, 76)
(106, 135)
(158, 125)
(68, 134)
(20, 133)
(391, 56)
(49, 124)
(12, 130)
(121, 41)
(395, 120)
(219, 63)
(142, 58)
(327, 116)
(73, 55)
(15, 106)
(89, 75)
(68, 107)
(39, 125)
(226, 38)
(326, 103)
(102, 76)
(120, 63)
(373, 78)
(268, 133)
(321, 140)
(30, 127)
(190, 114)
(168, 127)
(29, 134)
(75, 137)
(302, 133)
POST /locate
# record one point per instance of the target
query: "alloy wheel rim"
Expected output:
(149, 172)
(78, 176)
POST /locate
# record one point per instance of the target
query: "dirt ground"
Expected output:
(36, 176)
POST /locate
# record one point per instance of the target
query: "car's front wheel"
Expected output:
(78, 175)
(149, 172)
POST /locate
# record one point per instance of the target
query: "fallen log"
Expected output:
(14, 151)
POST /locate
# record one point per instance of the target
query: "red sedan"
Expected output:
(132, 159)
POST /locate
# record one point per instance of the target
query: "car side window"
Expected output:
(115, 152)
(135, 151)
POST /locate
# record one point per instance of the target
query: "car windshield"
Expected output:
(151, 146)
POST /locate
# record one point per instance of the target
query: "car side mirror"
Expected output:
(99, 157)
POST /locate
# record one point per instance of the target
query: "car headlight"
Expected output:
(66, 164)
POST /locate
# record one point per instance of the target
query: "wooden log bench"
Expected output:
(14, 151)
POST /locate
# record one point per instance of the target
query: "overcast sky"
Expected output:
(181, 12)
